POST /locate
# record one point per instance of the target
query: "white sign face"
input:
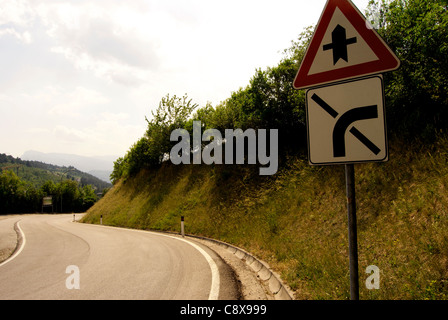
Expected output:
(346, 122)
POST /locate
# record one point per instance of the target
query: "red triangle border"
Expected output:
(387, 59)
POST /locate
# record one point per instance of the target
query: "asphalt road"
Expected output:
(108, 263)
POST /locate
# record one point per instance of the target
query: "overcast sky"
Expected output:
(80, 76)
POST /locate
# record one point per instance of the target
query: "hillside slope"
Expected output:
(297, 222)
(100, 167)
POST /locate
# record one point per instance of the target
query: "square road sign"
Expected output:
(346, 122)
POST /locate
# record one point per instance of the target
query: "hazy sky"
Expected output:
(80, 76)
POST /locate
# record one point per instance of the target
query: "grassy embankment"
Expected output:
(297, 222)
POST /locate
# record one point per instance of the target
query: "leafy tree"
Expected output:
(278, 105)
(89, 197)
(118, 170)
(172, 113)
(204, 115)
(32, 201)
(230, 114)
(154, 147)
(20, 196)
(70, 196)
(17, 196)
(11, 191)
(140, 155)
(417, 93)
(49, 188)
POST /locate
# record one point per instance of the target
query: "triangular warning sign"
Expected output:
(343, 46)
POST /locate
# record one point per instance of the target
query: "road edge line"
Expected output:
(21, 240)
(214, 290)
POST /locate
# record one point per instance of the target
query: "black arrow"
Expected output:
(362, 113)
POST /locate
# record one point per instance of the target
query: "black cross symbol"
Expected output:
(339, 44)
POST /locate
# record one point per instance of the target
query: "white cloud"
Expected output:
(95, 37)
(58, 102)
(24, 37)
(109, 69)
(17, 12)
(69, 135)
(37, 130)
(109, 133)
(113, 118)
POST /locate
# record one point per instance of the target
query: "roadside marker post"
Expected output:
(182, 231)
(345, 101)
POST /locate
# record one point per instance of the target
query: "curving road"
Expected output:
(109, 263)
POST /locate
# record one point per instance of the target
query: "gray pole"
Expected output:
(352, 232)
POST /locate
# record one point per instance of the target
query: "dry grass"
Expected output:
(297, 221)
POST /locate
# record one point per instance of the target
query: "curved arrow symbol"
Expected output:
(345, 120)
(361, 113)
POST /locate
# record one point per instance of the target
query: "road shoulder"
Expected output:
(8, 236)
(251, 288)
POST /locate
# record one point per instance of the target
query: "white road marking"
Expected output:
(214, 290)
(17, 251)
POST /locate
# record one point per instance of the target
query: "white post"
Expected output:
(182, 231)
(101, 219)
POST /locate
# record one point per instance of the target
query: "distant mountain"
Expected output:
(100, 167)
(38, 172)
(101, 174)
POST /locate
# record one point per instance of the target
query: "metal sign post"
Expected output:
(352, 231)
